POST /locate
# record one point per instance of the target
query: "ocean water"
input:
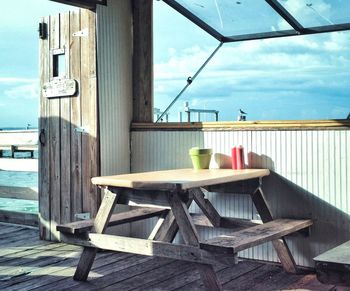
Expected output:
(19, 205)
(18, 179)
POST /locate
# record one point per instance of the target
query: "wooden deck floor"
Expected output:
(26, 263)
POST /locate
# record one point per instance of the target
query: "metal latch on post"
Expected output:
(83, 32)
(82, 129)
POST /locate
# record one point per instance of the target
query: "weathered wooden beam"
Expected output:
(100, 224)
(280, 245)
(256, 235)
(191, 237)
(205, 205)
(143, 61)
(149, 248)
(116, 219)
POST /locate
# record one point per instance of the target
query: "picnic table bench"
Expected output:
(168, 195)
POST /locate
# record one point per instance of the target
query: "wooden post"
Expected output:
(143, 61)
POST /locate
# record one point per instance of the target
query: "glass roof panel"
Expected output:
(231, 17)
(311, 13)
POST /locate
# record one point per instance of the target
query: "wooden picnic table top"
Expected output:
(180, 179)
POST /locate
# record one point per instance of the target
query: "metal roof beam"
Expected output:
(285, 15)
(88, 4)
(179, 8)
(284, 33)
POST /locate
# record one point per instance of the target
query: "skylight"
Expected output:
(237, 20)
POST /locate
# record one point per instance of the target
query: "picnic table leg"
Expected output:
(280, 245)
(100, 224)
(168, 229)
(207, 208)
(190, 236)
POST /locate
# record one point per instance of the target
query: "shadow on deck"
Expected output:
(26, 263)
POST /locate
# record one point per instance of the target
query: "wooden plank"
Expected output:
(44, 167)
(179, 179)
(100, 224)
(75, 150)
(247, 125)
(23, 218)
(142, 61)
(280, 245)
(256, 235)
(190, 236)
(332, 267)
(337, 255)
(65, 127)
(205, 205)
(89, 114)
(59, 273)
(54, 160)
(116, 219)
(150, 248)
(112, 272)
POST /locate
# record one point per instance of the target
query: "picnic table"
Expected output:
(168, 195)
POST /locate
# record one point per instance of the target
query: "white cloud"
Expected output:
(10, 80)
(27, 91)
(303, 67)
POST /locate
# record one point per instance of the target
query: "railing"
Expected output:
(18, 141)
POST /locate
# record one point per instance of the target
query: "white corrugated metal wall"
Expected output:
(114, 63)
(310, 179)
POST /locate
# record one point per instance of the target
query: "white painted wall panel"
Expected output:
(114, 59)
(310, 179)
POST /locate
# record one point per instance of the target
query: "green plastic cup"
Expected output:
(200, 158)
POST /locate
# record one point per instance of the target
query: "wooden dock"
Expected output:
(30, 264)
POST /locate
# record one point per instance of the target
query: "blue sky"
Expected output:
(287, 78)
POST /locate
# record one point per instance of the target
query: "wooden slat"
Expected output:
(44, 168)
(150, 248)
(75, 150)
(89, 111)
(180, 179)
(65, 127)
(54, 139)
(116, 219)
(256, 235)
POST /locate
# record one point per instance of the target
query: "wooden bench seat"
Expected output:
(116, 219)
(333, 266)
(253, 236)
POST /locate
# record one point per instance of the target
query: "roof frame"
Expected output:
(88, 4)
(298, 29)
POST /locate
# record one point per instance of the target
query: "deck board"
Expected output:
(26, 263)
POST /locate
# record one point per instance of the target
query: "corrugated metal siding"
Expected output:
(114, 63)
(114, 58)
(310, 179)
